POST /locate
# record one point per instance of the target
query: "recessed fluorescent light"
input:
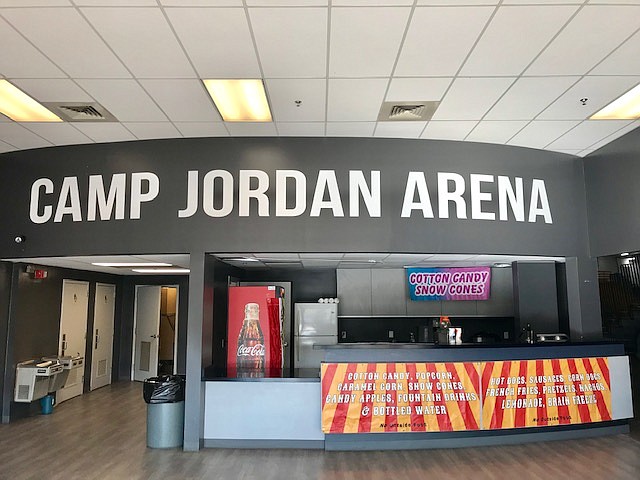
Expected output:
(626, 107)
(161, 270)
(20, 107)
(624, 254)
(131, 264)
(240, 100)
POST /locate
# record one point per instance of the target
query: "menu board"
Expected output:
(439, 397)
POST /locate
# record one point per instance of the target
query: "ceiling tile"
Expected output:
(399, 129)
(35, 3)
(18, 136)
(529, 96)
(448, 130)
(470, 98)
(206, 34)
(617, 134)
(288, 3)
(105, 132)
(321, 256)
(495, 131)
(58, 133)
(538, 134)
(359, 48)
(408, 89)
(459, 2)
(53, 90)
(540, 2)
(355, 99)
(566, 150)
(125, 99)
(592, 34)
(319, 264)
(350, 129)
(599, 91)
(283, 94)
(587, 133)
(300, 129)
(251, 129)
(5, 147)
(116, 3)
(292, 42)
(149, 130)
(143, 40)
(201, 3)
(368, 3)
(537, 24)
(454, 32)
(23, 59)
(73, 45)
(202, 129)
(623, 61)
(182, 100)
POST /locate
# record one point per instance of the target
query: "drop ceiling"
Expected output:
(289, 261)
(508, 72)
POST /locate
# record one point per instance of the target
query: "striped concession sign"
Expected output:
(441, 397)
(534, 393)
(400, 397)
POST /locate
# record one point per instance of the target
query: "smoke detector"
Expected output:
(80, 112)
(418, 111)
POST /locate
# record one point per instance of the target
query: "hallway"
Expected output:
(104, 438)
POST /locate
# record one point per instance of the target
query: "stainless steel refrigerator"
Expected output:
(315, 324)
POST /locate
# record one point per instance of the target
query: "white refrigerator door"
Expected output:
(315, 319)
(306, 355)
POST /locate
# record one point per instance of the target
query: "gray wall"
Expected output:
(171, 159)
(535, 295)
(613, 196)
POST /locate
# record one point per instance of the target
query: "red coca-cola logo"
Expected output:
(256, 350)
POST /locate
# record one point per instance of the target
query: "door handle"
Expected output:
(154, 336)
(97, 339)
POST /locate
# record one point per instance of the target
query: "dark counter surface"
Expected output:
(422, 345)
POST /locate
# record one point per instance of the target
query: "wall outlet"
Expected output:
(343, 334)
(391, 334)
(505, 335)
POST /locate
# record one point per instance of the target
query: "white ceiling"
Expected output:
(289, 260)
(507, 72)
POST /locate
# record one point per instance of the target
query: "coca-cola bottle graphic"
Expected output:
(250, 361)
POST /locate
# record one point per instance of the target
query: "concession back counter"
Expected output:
(408, 396)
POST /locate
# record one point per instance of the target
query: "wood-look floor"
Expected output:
(101, 435)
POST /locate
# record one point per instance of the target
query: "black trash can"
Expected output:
(165, 410)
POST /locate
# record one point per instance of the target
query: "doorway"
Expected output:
(73, 334)
(102, 341)
(155, 339)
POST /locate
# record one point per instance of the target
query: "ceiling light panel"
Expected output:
(590, 36)
(529, 96)
(72, 45)
(23, 59)
(355, 99)
(125, 99)
(283, 94)
(240, 100)
(153, 53)
(183, 100)
(292, 42)
(206, 34)
(470, 98)
(20, 107)
(130, 264)
(626, 106)
(599, 91)
(365, 41)
(453, 30)
(538, 24)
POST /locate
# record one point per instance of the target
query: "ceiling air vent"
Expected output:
(80, 112)
(407, 111)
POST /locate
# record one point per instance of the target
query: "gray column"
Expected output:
(583, 297)
(194, 395)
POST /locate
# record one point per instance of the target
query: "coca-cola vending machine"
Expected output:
(254, 332)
